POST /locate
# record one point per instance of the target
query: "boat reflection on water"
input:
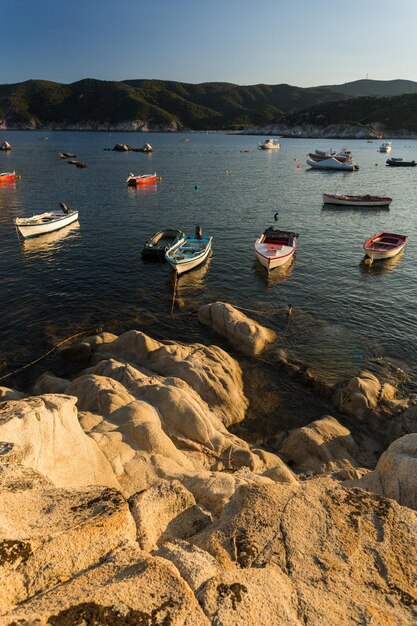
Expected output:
(277, 276)
(143, 190)
(191, 285)
(342, 208)
(380, 266)
(46, 245)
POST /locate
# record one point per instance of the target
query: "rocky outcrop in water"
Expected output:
(126, 500)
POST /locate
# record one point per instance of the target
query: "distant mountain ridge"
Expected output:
(169, 105)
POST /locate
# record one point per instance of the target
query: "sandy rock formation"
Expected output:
(48, 383)
(317, 553)
(404, 424)
(49, 534)
(209, 370)
(244, 334)
(10, 394)
(152, 427)
(322, 446)
(395, 475)
(166, 511)
(43, 433)
(364, 396)
(127, 587)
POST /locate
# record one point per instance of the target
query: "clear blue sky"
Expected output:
(304, 42)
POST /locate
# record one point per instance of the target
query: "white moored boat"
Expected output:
(332, 164)
(269, 144)
(45, 222)
(386, 146)
(345, 200)
(275, 247)
(189, 252)
(384, 245)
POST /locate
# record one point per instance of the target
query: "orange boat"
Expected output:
(7, 177)
(143, 179)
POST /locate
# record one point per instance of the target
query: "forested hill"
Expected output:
(169, 105)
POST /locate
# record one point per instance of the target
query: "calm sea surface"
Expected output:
(346, 315)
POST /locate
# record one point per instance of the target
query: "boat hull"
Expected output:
(162, 242)
(335, 199)
(332, 164)
(35, 230)
(384, 246)
(271, 263)
(7, 177)
(139, 181)
(383, 254)
(181, 266)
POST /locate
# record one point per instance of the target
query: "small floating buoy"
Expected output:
(298, 166)
(226, 172)
(367, 261)
(196, 187)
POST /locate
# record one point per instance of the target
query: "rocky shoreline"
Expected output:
(126, 499)
(300, 131)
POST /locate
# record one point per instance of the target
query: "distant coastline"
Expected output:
(358, 110)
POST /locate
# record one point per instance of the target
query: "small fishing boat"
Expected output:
(384, 245)
(396, 162)
(343, 155)
(269, 144)
(386, 146)
(332, 163)
(189, 253)
(275, 247)
(343, 199)
(7, 177)
(161, 242)
(45, 222)
(143, 179)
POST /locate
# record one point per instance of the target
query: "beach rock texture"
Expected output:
(366, 398)
(395, 475)
(125, 500)
(44, 433)
(243, 333)
(322, 446)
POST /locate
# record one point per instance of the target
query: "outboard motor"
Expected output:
(64, 207)
(198, 232)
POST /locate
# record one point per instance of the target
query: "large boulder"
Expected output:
(48, 535)
(243, 333)
(327, 552)
(166, 511)
(209, 370)
(322, 446)
(395, 475)
(127, 588)
(43, 432)
(365, 397)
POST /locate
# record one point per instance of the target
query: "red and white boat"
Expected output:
(384, 245)
(7, 177)
(275, 247)
(143, 179)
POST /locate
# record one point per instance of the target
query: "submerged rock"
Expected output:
(243, 333)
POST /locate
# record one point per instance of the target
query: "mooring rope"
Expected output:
(24, 367)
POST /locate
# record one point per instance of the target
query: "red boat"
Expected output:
(384, 245)
(7, 177)
(144, 179)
